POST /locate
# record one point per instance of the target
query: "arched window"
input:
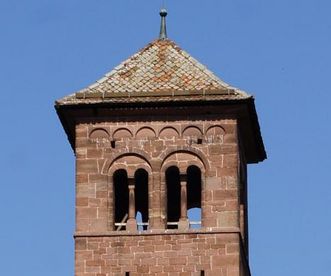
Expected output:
(183, 198)
(194, 196)
(130, 198)
(141, 198)
(121, 201)
(173, 197)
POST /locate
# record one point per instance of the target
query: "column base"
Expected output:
(131, 225)
(183, 224)
(156, 224)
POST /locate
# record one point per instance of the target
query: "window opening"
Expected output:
(173, 197)
(194, 216)
(194, 196)
(141, 199)
(139, 220)
(121, 201)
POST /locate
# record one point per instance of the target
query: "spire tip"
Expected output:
(163, 29)
(163, 12)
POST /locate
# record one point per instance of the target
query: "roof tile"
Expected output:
(157, 69)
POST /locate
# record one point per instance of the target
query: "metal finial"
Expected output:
(163, 29)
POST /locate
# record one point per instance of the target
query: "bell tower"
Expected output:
(162, 147)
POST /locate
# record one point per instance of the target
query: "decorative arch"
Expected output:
(122, 133)
(182, 166)
(215, 130)
(168, 132)
(130, 162)
(99, 133)
(192, 131)
(146, 132)
(127, 152)
(186, 149)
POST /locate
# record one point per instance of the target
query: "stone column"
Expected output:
(157, 202)
(131, 224)
(183, 223)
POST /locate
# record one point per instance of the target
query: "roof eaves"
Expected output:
(162, 96)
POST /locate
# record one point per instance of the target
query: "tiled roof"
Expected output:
(161, 69)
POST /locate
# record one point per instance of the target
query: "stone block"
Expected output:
(228, 219)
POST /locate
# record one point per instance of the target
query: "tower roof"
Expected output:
(162, 80)
(161, 69)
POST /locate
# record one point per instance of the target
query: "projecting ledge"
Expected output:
(230, 230)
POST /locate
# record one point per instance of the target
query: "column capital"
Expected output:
(131, 182)
(183, 178)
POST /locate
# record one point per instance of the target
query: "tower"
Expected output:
(161, 148)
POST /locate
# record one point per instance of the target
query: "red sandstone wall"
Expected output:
(163, 255)
(155, 146)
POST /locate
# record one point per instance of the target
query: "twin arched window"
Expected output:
(183, 199)
(130, 198)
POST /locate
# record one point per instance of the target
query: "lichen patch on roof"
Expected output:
(160, 68)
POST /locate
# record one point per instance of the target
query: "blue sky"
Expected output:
(277, 50)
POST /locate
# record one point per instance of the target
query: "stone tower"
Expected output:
(162, 147)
